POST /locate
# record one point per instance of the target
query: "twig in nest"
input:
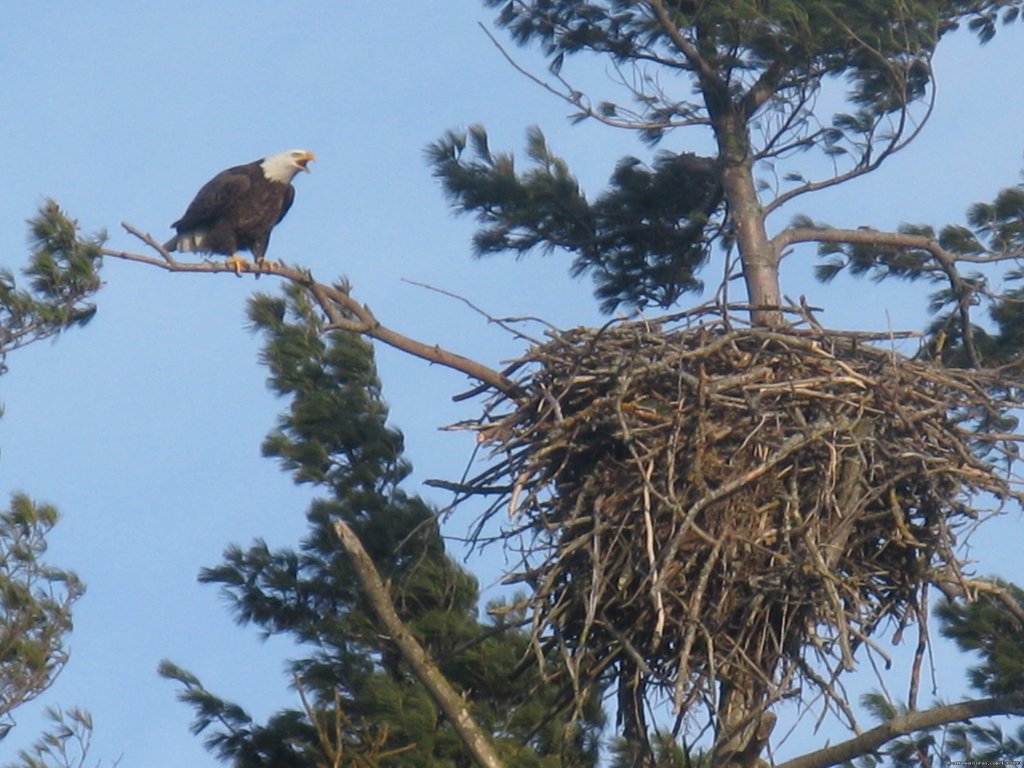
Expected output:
(724, 494)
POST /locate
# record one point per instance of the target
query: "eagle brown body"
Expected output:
(239, 207)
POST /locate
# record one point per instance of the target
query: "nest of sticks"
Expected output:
(717, 504)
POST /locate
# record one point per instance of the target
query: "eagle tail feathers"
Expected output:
(186, 242)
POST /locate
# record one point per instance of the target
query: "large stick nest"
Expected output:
(716, 504)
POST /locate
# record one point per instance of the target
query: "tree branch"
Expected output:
(870, 741)
(794, 235)
(767, 85)
(706, 72)
(945, 259)
(960, 588)
(342, 311)
(895, 142)
(446, 697)
(580, 101)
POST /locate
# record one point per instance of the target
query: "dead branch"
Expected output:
(446, 697)
(505, 323)
(342, 311)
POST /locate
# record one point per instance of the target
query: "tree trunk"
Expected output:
(631, 713)
(757, 252)
(743, 724)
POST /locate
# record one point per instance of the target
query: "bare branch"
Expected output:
(342, 311)
(867, 164)
(767, 85)
(870, 741)
(505, 323)
(150, 241)
(579, 100)
(945, 259)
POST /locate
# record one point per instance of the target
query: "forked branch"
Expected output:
(341, 310)
(946, 262)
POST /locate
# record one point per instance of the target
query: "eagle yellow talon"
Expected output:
(237, 263)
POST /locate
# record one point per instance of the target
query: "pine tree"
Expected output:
(747, 74)
(750, 73)
(36, 598)
(62, 275)
(359, 697)
(35, 606)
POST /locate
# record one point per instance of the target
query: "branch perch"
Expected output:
(342, 311)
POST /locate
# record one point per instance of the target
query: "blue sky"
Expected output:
(144, 428)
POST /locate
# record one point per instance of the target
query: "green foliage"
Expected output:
(880, 262)
(998, 227)
(984, 741)
(1001, 222)
(643, 239)
(62, 274)
(35, 605)
(334, 435)
(36, 598)
(65, 745)
(991, 627)
(882, 48)
(286, 740)
(748, 72)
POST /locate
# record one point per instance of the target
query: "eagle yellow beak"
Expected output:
(304, 161)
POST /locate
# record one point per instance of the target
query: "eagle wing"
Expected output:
(286, 203)
(214, 198)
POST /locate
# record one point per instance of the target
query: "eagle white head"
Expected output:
(283, 166)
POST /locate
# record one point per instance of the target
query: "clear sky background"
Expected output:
(144, 428)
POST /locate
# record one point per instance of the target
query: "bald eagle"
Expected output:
(238, 208)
